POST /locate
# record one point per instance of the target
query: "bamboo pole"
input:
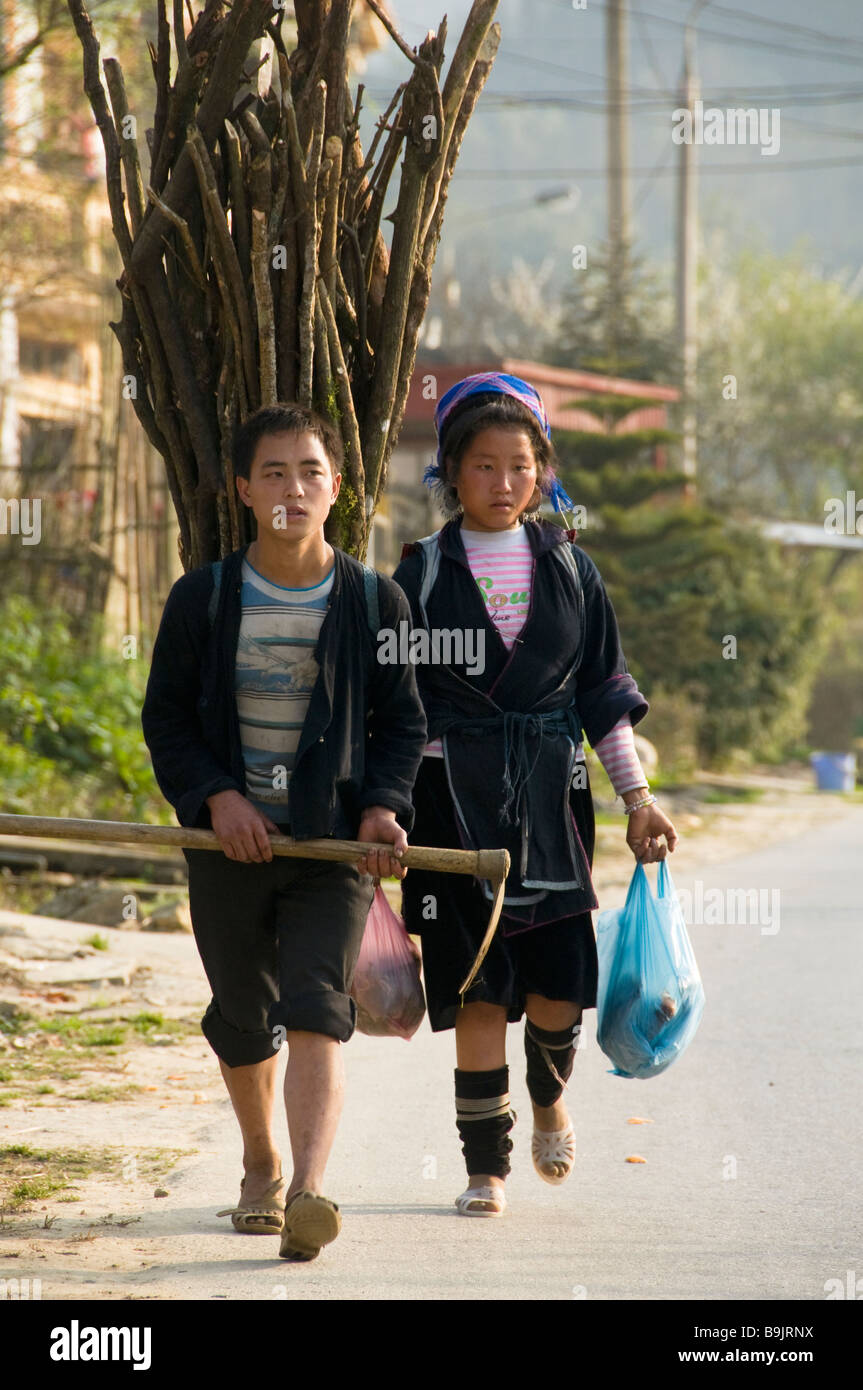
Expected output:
(492, 864)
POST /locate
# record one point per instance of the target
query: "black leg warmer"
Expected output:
(550, 1057)
(484, 1120)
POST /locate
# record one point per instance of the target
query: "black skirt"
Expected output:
(450, 914)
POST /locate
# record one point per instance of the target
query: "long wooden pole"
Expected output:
(492, 864)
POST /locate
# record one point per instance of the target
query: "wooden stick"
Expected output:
(128, 148)
(225, 261)
(310, 253)
(492, 864)
(391, 30)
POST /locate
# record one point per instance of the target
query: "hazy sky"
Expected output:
(803, 60)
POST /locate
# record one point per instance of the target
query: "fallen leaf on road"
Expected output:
(638, 1120)
(635, 1158)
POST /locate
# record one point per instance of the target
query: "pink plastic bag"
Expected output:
(386, 988)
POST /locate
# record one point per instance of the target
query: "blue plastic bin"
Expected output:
(835, 772)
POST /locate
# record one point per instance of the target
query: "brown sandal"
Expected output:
(311, 1222)
(262, 1217)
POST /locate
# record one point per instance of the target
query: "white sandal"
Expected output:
(556, 1146)
(481, 1201)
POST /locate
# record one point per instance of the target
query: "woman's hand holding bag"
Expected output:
(643, 831)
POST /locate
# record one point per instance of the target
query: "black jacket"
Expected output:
(364, 732)
(536, 674)
(510, 732)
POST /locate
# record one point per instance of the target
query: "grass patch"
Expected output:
(715, 795)
(97, 941)
(116, 1032)
(13, 1020)
(30, 1175)
(102, 1093)
(69, 1049)
(148, 1024)
(112, 1034)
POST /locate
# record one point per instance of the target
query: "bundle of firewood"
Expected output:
(254, 265)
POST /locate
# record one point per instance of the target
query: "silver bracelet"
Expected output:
(636, 805)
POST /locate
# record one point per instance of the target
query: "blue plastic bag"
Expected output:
(650, 997)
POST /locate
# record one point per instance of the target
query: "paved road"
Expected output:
(752, 1156)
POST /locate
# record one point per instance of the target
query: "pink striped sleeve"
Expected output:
(617, 754)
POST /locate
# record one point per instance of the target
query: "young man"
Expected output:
(267, 711)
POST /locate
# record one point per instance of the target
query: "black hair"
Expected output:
(284, 419)
(481, 411)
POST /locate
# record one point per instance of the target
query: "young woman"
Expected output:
(504, 768)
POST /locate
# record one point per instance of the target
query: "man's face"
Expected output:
(291, 486)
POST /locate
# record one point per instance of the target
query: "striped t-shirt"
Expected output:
(276, 671)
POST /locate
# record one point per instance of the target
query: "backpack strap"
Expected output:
(213, 605)
(430, 551)
(373, 610)
(565, 556)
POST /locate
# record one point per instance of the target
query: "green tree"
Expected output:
(780, 385)
(70, 733)
(684, 580)
(624, 330)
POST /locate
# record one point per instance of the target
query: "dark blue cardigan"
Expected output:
(513, 727)
(364, 733)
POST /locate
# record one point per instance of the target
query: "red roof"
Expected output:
(558, 386)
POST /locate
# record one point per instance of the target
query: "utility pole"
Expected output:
(687, 261)
(618, 165)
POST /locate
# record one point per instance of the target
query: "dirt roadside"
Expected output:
(119, 1086)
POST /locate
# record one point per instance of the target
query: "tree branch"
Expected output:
(183, 228)
(247, 20)
(261, 185)
(234, 295)
(128, 145)
(99, 104)
(421, 97)
(310, 254)
(392, 30)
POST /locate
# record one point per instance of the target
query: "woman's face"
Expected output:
(497, 478)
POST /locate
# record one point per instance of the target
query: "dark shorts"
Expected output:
(557, 961)
(279, 943)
